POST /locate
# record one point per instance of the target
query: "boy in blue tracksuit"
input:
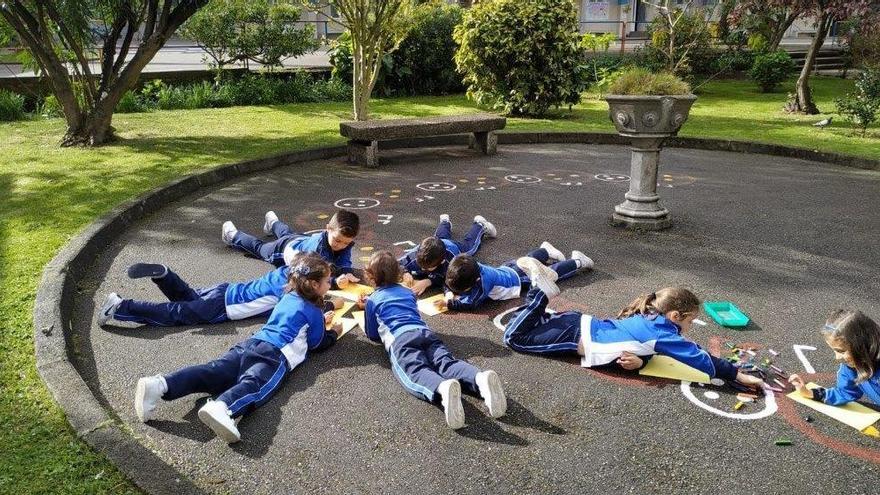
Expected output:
(419, 359)
(250, 373)
(333, 244)
(188, 306)
(427, 263)
(473, 283)
(652, 324)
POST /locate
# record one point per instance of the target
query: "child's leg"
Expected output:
(444, 229)
(539, 254)
(533, 330)
(565, 269)
(263, 367)
(472, 240)
(451, 368)
(281, 229)
(269, 252)
(210, 308)
(209, 378)
(174, 288)
(412, 367)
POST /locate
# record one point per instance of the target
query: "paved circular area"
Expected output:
(787, 240)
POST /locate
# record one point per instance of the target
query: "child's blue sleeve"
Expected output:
(371, 322)
(689, 353)
(846, 390)
(467, 302)
(343, 263)
(318, 338)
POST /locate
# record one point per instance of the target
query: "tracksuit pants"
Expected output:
(421, 361)
(186, 306)
(244, 378)
(532, 329)
(471, 242)
(268, 251)
(565, 269)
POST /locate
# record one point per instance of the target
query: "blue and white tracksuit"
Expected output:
(287, 243)
(847, 390)
(507, 281)
(419, 359)
(532, 329)
(250, 373)
(223, 302)
(469, 245)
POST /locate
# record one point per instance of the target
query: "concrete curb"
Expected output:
(53, 336)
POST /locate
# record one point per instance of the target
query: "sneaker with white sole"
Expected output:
(542, 276)
(445, 218)
(108, 309)
(555, 254)
(148, 393)
(489, 229)
(152, 270)
(492, 392)
(271, 218)
(216, 416)
(584, 262)
(450, 398)
(228, 232)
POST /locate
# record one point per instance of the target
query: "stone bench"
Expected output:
(364, 136)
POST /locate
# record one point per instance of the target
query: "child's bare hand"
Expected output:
(338, 302)
(345, 279)
(419, 286)
(362, 301)
(328, 317)
(441, 304)
(800, 386)
(337, 329)
(407, 280)
(749, 380)
(630, 361)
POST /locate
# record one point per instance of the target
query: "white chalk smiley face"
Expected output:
(356, 203)
(436, 186)
(522, 179)
(753, 410)
(611, 177)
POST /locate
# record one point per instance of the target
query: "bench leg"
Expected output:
(364, 153)
(485, 142)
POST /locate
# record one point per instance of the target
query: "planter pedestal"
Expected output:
(642, 209)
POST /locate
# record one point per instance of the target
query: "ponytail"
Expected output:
(641, 305)
(661, 302)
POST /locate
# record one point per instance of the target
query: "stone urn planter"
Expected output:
(647, 121)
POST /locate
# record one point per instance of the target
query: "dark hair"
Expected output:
(661, 302)
(305, 268)
(861, 335)
(462, 273)
(431, 252)
(383, 269)
(346, 222)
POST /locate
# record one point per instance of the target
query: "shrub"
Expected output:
(521, 56)
(11, 106)
(639, 81)
(423, 64)
(130, 103)
(692, 48)
(50, 107)
(770, 69)
(732, 61)
(861, 106)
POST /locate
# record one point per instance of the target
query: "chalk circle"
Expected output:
(436, 186)
(522, 179)
(711, 395)
(357, 203)
(718, 382)
(769, 404)
(611, 177)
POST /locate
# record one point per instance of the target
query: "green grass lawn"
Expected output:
(49, 194)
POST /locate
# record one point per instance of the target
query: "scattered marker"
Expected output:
(782, 441)
(773, 352)
(700, 322)
(775, 380)
(751, 352)
(738, 405)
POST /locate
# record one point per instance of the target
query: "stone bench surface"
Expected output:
(378, 130)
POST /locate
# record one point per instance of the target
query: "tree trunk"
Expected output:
(360, 103)
(779, 33)
(804, 102)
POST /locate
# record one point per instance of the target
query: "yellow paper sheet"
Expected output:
(339, 313)
(352, 291)
(347, 325)
(666, 367)
(426, 305)
(358, 316)
(852, 414)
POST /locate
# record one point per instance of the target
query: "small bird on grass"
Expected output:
(823, 123)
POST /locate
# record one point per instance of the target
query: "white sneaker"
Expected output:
(445, 218)
(216, 416)
(555, 254)
(271, 218)
(490, 389)
(108, 309)
(228, 232)
(148, 393)
(489, 230)
(450, 394)
(543, 277)
(584, 261)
